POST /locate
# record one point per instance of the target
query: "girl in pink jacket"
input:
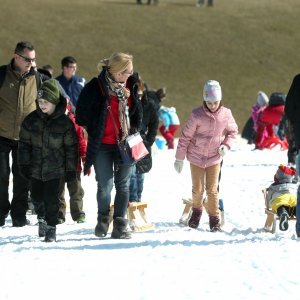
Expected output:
(205, 138)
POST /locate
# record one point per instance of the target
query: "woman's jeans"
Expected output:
(110, 171)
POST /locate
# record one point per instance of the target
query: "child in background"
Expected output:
(206, 137)
(75, 189)
(47, 152)
(281, 195)
(269, 119)
(261, 103)
(170, 120)
(148, 133)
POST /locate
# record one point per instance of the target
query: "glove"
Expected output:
(83, 163)
(223, 150)
(70, 176)
(25, 172)
(178, 165)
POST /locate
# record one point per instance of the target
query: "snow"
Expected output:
(170, 261)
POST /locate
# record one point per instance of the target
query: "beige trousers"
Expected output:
(206, 179)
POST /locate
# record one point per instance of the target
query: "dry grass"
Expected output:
(248, 45)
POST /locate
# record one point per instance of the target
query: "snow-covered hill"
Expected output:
(171, 261)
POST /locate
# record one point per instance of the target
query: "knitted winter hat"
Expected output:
(50, 91)
(262, 98)
(212, 91)
(284, 174)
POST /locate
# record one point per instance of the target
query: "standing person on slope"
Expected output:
(110, 109)
(205, 138)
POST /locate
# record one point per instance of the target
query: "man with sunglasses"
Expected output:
(19, 83)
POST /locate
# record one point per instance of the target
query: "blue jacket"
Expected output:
(72, 87)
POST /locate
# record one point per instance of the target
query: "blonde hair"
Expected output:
(118, 62)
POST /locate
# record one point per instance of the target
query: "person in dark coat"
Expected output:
(109, 108)
(148, 133)
(292, 112)
(47, 152)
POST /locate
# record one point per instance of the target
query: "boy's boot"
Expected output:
(120, 229)
(42, 227)
(214, 224)
(195, 217)
(102, 226)
(283, 218)
(50, 234)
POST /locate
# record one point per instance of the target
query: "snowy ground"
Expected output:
(171, 261)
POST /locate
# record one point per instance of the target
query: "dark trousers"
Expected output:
(19, 203)
(45, 199)
(76, 193)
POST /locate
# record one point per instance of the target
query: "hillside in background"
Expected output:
(246, 45)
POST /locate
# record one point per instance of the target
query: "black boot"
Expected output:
(50, 234)
(120, 229)
(195, 217)
(102, 226)
(284, 218)
(42, 227)
(214, 224)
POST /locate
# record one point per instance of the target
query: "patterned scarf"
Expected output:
(122, 94)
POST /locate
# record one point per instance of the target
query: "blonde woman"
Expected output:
(109, 108)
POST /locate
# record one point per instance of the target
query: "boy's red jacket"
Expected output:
(82, 143)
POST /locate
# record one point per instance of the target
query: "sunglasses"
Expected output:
(27, 59)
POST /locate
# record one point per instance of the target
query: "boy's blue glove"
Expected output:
(178, 165)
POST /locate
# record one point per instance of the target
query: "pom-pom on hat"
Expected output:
(50, 91)
(284, 174)
(212, 91)
(262, 99)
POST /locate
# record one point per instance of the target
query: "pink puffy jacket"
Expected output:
(203, 134)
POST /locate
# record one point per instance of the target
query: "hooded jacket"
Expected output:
(203, 134)
(48, 145)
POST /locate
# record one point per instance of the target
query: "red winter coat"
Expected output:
(268, 118)
(82, 143)
(272, 114)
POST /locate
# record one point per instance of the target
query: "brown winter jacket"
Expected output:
(17, 100)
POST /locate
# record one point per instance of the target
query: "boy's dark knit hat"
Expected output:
(50, 91)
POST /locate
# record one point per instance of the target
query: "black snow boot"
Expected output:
(102, 226)
(120, 229)
(214, 224)
(42, 227)
(283, 218)
(50, 234)
(195, 217)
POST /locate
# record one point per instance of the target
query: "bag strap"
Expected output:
(110, 112)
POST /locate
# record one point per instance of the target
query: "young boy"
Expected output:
(47, 152)
(281, 195)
